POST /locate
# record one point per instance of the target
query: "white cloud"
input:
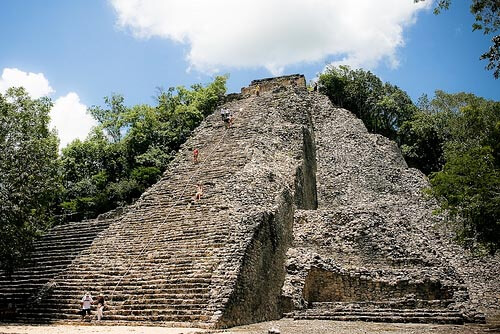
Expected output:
(69, 116)
(34, 83)
(274, 33)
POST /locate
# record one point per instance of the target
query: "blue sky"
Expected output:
(79, 51)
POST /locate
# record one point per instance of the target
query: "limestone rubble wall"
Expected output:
(374, 228)
(256, 295)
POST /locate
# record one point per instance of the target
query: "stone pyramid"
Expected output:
(304, 214)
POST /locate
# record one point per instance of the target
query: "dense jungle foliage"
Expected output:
(453, 138)
(127, 152)
(29, 173)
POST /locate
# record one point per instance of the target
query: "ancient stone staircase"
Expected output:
(53, 253)
(380, 312)
(178, 261)
(157, 263)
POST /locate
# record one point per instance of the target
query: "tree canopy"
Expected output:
(382, 107)
(29, 169)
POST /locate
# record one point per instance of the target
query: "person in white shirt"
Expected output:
(86, 304)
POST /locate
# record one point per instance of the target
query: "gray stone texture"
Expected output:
(374, 237)
(303, 211)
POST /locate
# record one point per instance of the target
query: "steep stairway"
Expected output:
(51, 256)
(174, 260)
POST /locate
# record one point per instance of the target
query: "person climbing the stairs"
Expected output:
(86, 303)
(100, 306)
(195, 155)
(227, 117)
(224, 113)
(199, 191)
(257, 90)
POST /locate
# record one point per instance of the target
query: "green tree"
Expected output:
(113, 119)
(131, 147)
(30, 181)
(424, 135)
(467, 187)
(383, 108)
(89, 168)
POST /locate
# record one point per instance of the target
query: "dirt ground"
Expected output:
(86, 329)
(285, 327)
(358, 327)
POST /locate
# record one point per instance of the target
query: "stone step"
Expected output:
(387, 304)
(35, 271)
(167, 288)
(384, 312)
(395, 318)
(93, 321)
(151, 316)
(48, 242)
(25, 281)
(146, 286)
(63, 297)
(70, 254)
(75, 230)
(397, 310)
(183, 300)
(204, 278)
(124, 308)
(138, 308)
(56, 253)
(71, 234)
(136, 271)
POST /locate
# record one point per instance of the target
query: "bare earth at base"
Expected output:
(285, 326)
(358, 327)
(91, 329)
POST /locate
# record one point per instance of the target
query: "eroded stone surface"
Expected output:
(302, 209)
(374, 238)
